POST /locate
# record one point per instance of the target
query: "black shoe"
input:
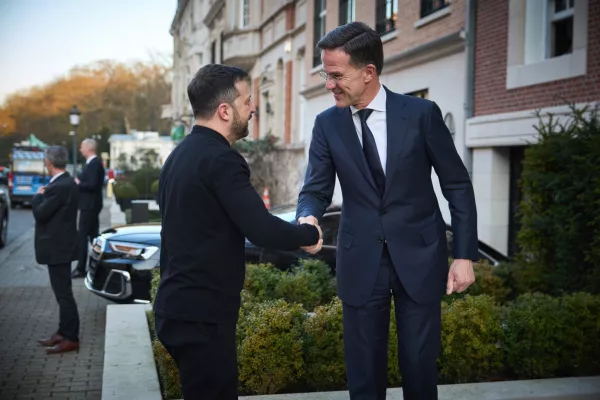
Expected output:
(77, 274)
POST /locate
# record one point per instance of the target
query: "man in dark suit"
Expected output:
(90, 182)
(208, 208)
(55, 213)
(392, 242)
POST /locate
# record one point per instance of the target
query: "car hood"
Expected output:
(135, 233)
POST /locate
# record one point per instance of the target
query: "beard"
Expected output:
(239, 128)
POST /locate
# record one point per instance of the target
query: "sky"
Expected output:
(41, 40)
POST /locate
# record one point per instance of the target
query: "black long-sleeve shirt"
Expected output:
(208, 208)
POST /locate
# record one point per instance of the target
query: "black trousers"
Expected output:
(60, 280)
(205, 354)
(366, 333)
(89, 226)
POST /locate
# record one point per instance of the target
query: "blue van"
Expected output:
(27, 174)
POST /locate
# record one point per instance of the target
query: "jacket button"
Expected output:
(383, 212)
(381, 240)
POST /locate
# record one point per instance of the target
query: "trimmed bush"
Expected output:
(167, 371)
(324, 348)
(394, 376)
(125, 190)
(535, 333)
(271, 353)
(560, 234)
(487, 281)
(261, 281)
(471, 337)
(154, 187)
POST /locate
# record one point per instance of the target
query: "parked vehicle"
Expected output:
(122, 258)
(4, 207)
(28, 173)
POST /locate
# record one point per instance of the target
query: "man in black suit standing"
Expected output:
(90, 182)
(382, 146)
(55, 213)
(208, 208)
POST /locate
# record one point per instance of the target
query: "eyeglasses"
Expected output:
(334, 78)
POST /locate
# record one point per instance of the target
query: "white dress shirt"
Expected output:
(377, 123)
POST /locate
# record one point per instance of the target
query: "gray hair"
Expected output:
(90, 144)
(57, 156)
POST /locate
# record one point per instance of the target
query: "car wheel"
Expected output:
(3, 230)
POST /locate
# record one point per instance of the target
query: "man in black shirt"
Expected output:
(208, 208)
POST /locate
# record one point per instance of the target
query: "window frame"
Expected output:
(431, 8)
(320, 25)
(379, 22)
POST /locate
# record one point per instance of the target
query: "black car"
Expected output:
(122, 258)
(4, 207)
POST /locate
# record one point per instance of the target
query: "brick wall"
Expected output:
(491, 95)
(408, 37)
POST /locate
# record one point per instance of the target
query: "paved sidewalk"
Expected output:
(28, 311)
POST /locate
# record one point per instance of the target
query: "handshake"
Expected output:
(314, 249)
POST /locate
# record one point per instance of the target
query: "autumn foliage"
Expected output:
(112, 97)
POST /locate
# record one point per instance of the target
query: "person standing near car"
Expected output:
(208, 207)
(55, 212)
(90, 182)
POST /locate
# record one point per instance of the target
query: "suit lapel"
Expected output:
(396, 134)
(349, 137)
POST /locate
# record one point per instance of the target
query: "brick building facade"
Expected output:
(529, 55)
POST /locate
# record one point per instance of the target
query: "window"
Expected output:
(319, 29)
(346, 11)
(386, 12)
(245, 13)
(424, 93)
(431, 6)
(549, 22)
(547, 41)
(560, 39)
(213, 52)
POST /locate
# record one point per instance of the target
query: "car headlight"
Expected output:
(132, 250)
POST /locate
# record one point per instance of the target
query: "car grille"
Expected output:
(98, 275)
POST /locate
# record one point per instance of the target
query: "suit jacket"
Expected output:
(55, 214)
(208, 208)
(407, 217)
(90, 185)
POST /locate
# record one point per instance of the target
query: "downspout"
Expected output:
(471, 19)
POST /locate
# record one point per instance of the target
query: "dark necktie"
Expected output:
(370, 150)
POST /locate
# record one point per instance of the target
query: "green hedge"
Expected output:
(282, 347)
(560, 234)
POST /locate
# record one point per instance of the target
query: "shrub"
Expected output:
(154, 187)
(534, 335)
(142, 180)
(581, 344)
(471, 336)
(560, 234)
(309, 284)
(125, 190)
(261, 281)
(154, 284)
(324, 348)
(167, 371)
(394, 376)
(270, 355)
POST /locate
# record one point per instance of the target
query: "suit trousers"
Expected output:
(205, 354)
(89, 226)
(60, 280)
(366, 333)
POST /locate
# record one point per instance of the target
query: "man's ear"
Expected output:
(224, 111)
(370, 73)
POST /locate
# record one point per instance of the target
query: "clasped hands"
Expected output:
(314, 249)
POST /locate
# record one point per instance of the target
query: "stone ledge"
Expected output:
(129, 367)
(586, 388)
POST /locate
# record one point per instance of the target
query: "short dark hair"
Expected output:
(212, 85)
(57, 156)
(359, 41)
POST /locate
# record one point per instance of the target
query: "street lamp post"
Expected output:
(74, 117)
